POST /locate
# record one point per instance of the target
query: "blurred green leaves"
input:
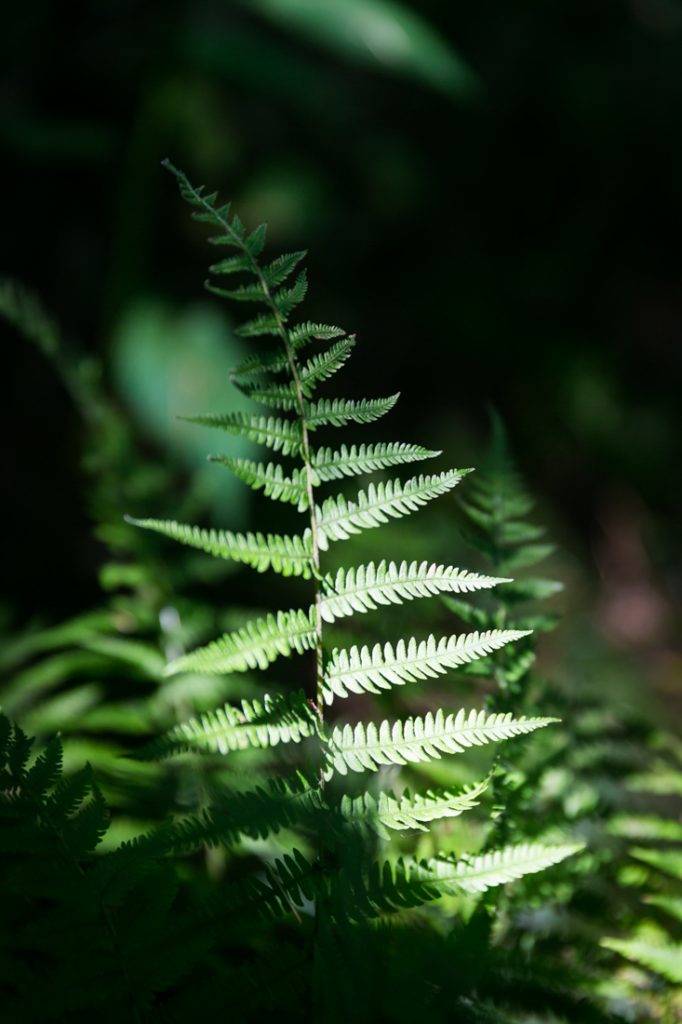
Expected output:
(168, 363)
(379, 33)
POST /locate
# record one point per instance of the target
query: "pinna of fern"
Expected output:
(285, 376)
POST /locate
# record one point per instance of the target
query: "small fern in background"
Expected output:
(653, 930)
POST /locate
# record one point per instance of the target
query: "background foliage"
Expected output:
(491, 196)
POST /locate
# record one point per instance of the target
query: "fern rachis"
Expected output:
(287, 380)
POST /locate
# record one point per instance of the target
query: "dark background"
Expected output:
(491, 194)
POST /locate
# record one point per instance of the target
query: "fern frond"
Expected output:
(325, 364)
(367, 746)
(255, 645)
(338, 517)
(302, 334)
(370, 670)
(286, 299)
(257, 813)
(278, 434)
(336, 412)
(289, 882)
(364, 588)
(664, 958)
(268, 477)
(410, 811)
(257, 366)
(276, 396)
(277, 271)
(253, 723)
(287, 555)
(238, 264)
(331, 464)
(449, 875)
(264, 323)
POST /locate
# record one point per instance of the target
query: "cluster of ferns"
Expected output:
(339, 903)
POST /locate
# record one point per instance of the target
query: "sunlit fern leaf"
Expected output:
(287, 555)
(365, 587)
(331, 464)
(366, 746)
(477, 874)
(339, 518)
(254, 723)
(255, 645)
(324, 365)
(664, 959)
(270, 478)
(370, 670)
(278, 434)
(336, 412)
(386, 813)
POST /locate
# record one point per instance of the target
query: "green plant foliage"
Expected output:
(104, 935)
(655, 939)
(341, 882)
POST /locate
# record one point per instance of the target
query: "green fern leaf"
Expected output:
(269, 478)
(333, 464)
(244, 293)
(366, 747)
(286, 299)
(371, 670)
(664, 958)
(410, 811)
(265, 323)
(325, 364)
(256, 366)
(366, 587)
(253, 723)
(289, 882)
(336, 412)
(667, 861)
(338, 517)
(287, 555)
(257, 813)
(232, 265)
(477, 874)
(304, 333)
(276, 272)
(255, 645)
(277, 396)
(284, 435)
